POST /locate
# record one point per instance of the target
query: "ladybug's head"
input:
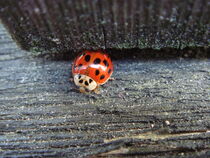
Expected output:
(85, 81)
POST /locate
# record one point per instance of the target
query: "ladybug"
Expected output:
(91, 69)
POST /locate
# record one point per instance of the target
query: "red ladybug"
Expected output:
(91, 69)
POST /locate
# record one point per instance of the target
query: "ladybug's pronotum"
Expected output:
(91, 69)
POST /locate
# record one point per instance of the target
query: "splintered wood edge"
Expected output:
(152, 136)
(155, 136)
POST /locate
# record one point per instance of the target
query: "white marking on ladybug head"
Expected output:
(85, 81)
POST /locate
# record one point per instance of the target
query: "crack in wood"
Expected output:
(155, 136)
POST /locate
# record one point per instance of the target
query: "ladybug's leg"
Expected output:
(71, 79)
(112, 79)
(82, 90)
(97, 90)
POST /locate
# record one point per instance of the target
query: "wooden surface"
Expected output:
(67, 26)
(152, 108)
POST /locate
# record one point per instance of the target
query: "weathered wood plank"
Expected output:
(68, 26)
(152, 108)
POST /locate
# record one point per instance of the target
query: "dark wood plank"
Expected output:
(152, 108)
(68, 26)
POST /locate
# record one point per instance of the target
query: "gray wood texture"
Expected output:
(152, 108)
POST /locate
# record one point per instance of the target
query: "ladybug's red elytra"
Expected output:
(91, 69)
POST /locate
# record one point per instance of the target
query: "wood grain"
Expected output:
(152, 108)
(68, 26)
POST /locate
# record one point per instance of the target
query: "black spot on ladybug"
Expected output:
(106, 63)
(80, 65)
(80, 81)
(97, 72)
(87, 58)
(79, 77)
(102, 77)
(86, 83)
(109, 71)
(97, 61)
(90, 80)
